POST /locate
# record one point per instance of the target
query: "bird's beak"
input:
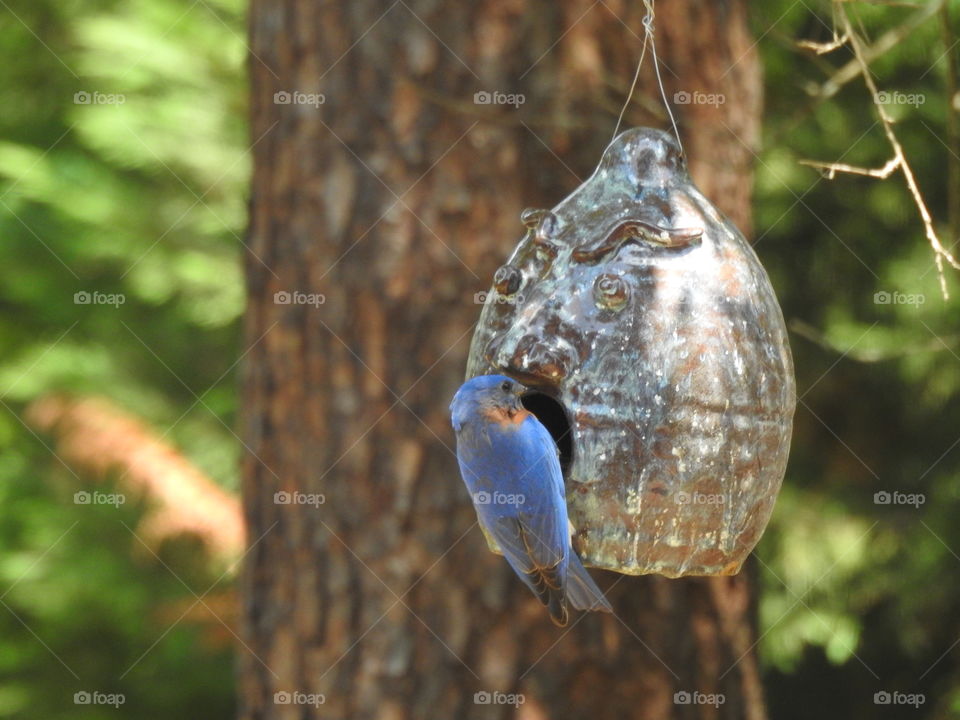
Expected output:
(523, 390)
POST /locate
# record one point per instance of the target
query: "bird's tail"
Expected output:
(557, 605)
(582, 591)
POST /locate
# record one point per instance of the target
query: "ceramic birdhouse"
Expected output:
(652, 334)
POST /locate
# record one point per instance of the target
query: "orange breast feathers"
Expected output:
(505, 418)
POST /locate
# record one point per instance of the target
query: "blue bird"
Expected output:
(511, 468)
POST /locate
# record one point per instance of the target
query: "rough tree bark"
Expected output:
(396, 199)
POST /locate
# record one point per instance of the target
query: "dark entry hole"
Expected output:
(554, 418)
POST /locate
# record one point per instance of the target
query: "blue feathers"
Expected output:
(510, 466)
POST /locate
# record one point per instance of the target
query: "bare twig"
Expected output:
(899, 160)
(831, 169)
(850, 70)
(885, 43)
(823, 48)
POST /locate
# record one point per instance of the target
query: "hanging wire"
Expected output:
(633, 85)
(648, 36)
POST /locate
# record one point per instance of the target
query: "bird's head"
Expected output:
(486, 392)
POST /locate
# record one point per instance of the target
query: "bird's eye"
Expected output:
(505, 386)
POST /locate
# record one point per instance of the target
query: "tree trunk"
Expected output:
(395, 199)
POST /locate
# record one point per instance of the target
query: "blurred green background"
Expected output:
(146, 199)
(136, 190)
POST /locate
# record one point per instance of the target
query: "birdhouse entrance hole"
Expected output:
(554, 418)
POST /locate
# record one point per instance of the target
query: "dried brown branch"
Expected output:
(889, 40)
(899, 160)
(823, 48)
(99, 437)
(851, 69)
(831, 169)
(940, 252)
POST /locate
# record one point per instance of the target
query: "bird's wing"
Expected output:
(543, 516)
(545, 582)
(521, 460)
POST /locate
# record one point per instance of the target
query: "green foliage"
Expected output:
(853, 589)
(143, 199)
